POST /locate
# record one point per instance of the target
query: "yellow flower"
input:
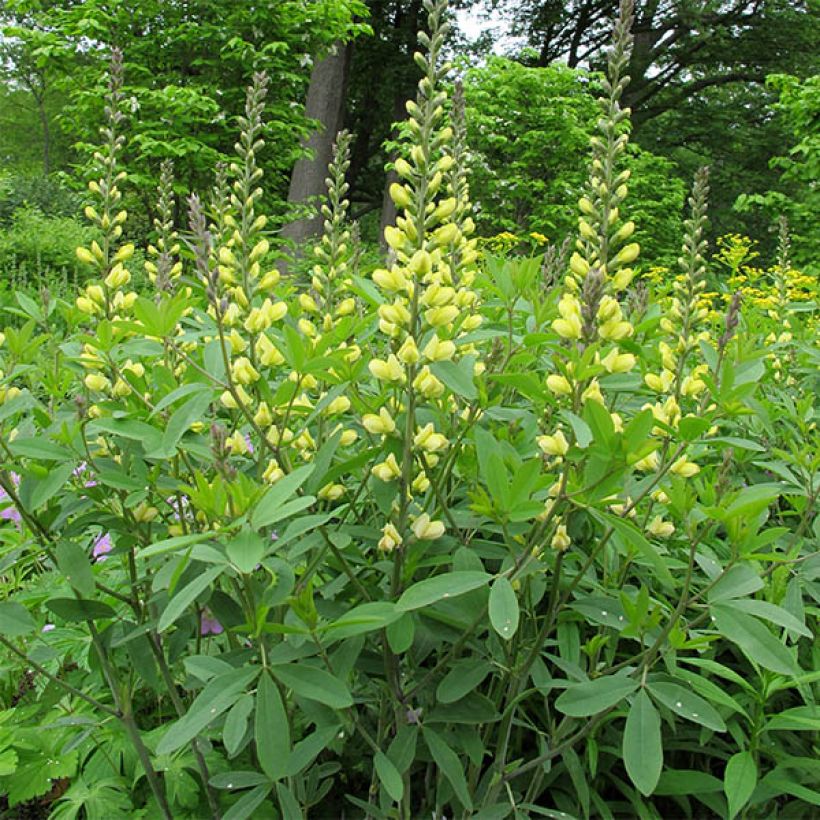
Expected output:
(439, 350)
(593, 393)
(424, 528)
(614, 330)
(616, 362)
(263, 416)
(554, 445)
(243, 371)
(96, 381)
(659, 383)
(387, 470)
(347, 438)
(390, 280)
(390, 538)
(559, 385)
(341, 404)
(420, 483)
(429, 440)
(273, 472)
(381, 424)
(144, 513)
(427, 384)
(267, 352)
(649, 462)
(331, 492)
(561, 540)
(408, 352)
(684, 468)
(237, 444)
(627, 255)
(657, 526)
(388, 371)
(440, 316)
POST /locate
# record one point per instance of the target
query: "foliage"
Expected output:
(528, 131)
(797, 198)
(186, 79)
(438, 538)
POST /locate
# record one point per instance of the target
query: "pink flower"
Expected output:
(209, 625)
(102, 546)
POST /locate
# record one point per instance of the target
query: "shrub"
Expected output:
(432, 539)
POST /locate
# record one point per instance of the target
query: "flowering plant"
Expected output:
(432, 537)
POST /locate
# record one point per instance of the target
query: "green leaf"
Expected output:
(449, 765)
(314, 684)
(400, 633)
(756, 641)
(247, 804)
(246, 550)
(173, 544)
(309, 748)
(642, 746)
(739, 781)
(582, 431)
(590, 697)
(288, 803)
(45, 488)
(186, 596)
(440, 587)
(692, 427)
(753, 500)
(687, 782)
(458, 376)
(362, 619)
(271, 729)
(774, 614)
(236, 724)
(73, 563)
(40, 448)
(267, 510)
(504, 612)
(687, 704)
(737, 581)
(463, 678)
(15, 620)
(389, 776)
(217, 697)
(73, 609)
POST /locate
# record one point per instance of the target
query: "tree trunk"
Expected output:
(325, 103)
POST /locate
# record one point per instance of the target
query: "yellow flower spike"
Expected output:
(408, 353)
(243, 371)
(439, 350)
(554, 445)
(95, 293)
(446, 235)
(388, 371)
(420, 263)
(425, 529)
(561, 540)
(381, 424)
(390, 538)
(684, 468)
(608, 308)
(427, 384)
(559, 385)
(593, 393)
(429, 440)
(387, 470)
(96, 381)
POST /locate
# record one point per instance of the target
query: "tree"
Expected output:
(187, 65)
(682, 47)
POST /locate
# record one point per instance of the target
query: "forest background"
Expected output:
(731, 85)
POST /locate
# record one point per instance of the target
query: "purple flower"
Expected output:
(48, 628)
(9, 512)
(208, 625)
(102, 546)
(249, 443)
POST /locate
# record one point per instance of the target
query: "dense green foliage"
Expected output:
(491, 527)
